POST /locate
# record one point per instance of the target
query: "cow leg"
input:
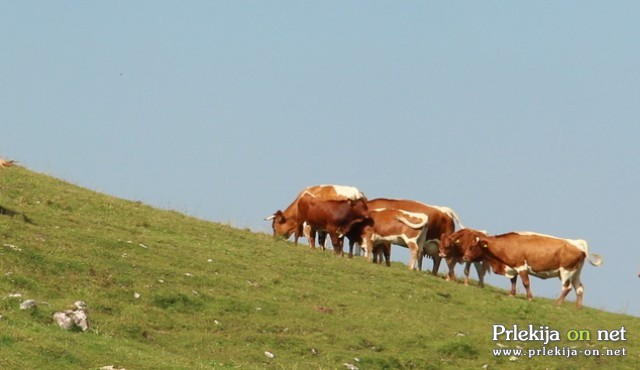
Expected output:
(566, 288)
(579, 292)
(577, 285)
(355, 245)
(467, 271)
(514, 280)
(337, 243)
(387, 253)
(451, 276)
(430, 248)
(527, 285)
(481, 269)
(299, 231)
(367, 244)
(436, 265)
(415, 254)
(569, 279)
(322, 239)
(309, 233)
(377, 255)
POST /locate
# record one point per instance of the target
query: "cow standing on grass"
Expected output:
(544, 256)
(408, 229)
(453, 247)
(442, 220)
(335, 217)
(287, 222)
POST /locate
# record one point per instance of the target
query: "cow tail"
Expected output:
(595, 259)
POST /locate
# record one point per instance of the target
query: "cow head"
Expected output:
(281, 225)
(476, 249)
(456, 244)
(447, 241)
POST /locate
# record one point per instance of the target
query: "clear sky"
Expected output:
(519, 115)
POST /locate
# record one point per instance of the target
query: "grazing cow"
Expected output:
(442, 220)
(408, 229)
(287, 222)
(544, 256)
(452, 247)
(335, 217)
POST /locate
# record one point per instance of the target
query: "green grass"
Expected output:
(217, 297)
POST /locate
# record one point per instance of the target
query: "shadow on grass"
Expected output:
(11, 213)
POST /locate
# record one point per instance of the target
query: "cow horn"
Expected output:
(270, 218)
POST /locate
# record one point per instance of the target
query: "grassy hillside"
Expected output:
(212, 296)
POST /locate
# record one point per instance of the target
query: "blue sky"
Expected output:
(519, 115)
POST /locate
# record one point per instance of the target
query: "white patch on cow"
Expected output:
(580, 244)
(522, 268)
(420, 216)
(532, 233)
(399, 239)
(349, 192)
(511, 272)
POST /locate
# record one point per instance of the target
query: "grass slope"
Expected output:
(212, 296)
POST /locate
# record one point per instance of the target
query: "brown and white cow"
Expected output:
(544, 256)
(284, 223)
(452, 246)
(408, 229)
(442, 220)
(335, 217)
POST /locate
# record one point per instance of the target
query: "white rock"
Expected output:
(29, 303)
(269, 354)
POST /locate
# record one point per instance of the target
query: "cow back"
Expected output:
(326, 214)
(439, 221)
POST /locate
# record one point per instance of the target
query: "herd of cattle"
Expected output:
(429, 231)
